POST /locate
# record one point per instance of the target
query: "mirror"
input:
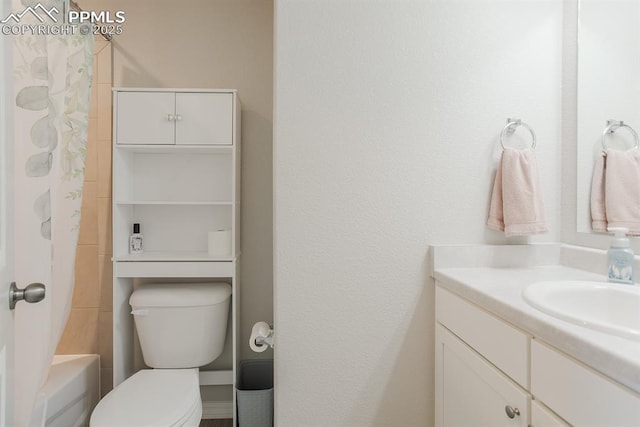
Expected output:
(608, 76)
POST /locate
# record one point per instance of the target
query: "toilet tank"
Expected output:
(181, 325)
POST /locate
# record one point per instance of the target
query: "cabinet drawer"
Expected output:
(579, 394)
(500, 343)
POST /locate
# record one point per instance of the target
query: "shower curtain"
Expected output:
(52, 80)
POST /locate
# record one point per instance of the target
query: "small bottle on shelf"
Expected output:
(135, 241)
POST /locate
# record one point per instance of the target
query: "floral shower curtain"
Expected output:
(52, 81)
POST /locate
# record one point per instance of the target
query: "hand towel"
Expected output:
(598, 209)
(622, 190)
(516, 202)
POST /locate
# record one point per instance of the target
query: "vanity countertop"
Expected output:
(499, 290)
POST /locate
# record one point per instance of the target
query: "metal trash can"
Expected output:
(254, 393)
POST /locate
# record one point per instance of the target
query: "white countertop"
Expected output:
(499, 290)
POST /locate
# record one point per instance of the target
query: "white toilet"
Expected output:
(180, 327)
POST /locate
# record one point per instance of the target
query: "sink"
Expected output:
(605, 307)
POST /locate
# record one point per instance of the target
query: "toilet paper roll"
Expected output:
(262, 330)
(220, 243)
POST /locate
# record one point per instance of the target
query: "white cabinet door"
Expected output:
(145, 118)
(472, 391)
(204, 118)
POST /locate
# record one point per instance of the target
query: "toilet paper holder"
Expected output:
(261, 337)
(268, 340)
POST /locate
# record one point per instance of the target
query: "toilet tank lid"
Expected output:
(179, 294)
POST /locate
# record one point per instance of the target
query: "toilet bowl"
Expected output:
(180, 327)
(152, 397)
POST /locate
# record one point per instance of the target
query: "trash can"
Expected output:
(254, 393)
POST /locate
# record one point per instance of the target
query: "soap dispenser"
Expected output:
(620, 257)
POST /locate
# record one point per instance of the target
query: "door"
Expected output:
(472, 392)
(145, 118)
(204, 118)
(6, 227)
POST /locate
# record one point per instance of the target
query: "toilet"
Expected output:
(181, 326)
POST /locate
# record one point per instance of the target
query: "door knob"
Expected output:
(32, 293)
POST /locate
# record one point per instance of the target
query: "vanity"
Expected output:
(501, 362)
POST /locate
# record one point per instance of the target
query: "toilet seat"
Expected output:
(153, 398)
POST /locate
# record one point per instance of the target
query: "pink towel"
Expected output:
(516, 202)
(616, 179)
(598, 210)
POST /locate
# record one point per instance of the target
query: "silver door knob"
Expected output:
(32, 293)
(511, 412)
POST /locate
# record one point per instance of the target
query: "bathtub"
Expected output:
(70, 393)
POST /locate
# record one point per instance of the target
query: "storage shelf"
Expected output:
(178, 193)
(173, 203)
(169, 256)
(223, 377)
(172, 149)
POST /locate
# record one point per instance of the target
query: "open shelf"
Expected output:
(169, 256)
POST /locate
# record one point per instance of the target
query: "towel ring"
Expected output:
(510, 128)
(612, 127)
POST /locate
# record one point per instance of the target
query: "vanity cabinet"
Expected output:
(484, 365)
(473, 351)
(176, 172)
(473, 391)
(579, 394)
(543, 417)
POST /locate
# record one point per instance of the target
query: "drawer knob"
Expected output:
(511, 412)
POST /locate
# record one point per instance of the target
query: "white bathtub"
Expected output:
(70, 393)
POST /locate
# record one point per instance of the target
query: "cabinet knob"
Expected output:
(511, 412)
(178, 117)
(170, 117)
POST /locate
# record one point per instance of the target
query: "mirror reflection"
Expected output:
(608, 91)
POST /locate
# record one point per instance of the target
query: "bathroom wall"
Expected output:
(214, 44)
(89, 329)
(387, 116)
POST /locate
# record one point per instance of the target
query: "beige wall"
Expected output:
(89, 329)
(215, 44)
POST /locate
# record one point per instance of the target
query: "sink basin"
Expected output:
(606, 307)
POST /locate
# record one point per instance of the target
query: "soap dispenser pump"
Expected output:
(620, 257)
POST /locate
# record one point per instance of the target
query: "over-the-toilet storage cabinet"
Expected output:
(176, 171)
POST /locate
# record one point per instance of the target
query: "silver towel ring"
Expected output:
(612, 127)
(510, 128)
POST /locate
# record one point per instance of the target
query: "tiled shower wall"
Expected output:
(89, 329)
